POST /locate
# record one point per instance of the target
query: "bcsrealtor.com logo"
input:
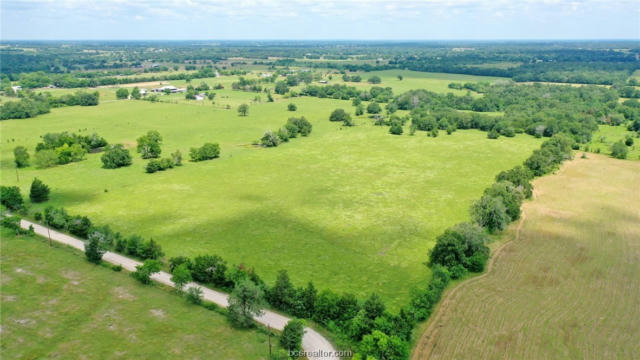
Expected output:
(321, 354)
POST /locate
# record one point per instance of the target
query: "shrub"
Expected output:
(37, 216)
(291, 337)
(122, 93)
(619, 150)
(209, 269)
(510, 195)
(520, 177)
(174, 262)
(10, 197)
(207, 151)
(339, 115)
(493, 134)
(395, 129)
(94, 249)
(56, 218)
(302, 124)
(116, 268)
(150, 250)
(155, 165)
(46, 158)
(245, 302)
(21, 156)
(375, 79)
(291, 129)
(177, 158)
(270, 139)
(283, 135)
(181, 276)
(373, 108)
(243, 110)
(143, 272)
(79, 226)
(292, 107)
(116, 156)
(490, 213)
(133, 245)
(39, 191)
(628, 141)
(149, 145)
(194, 295)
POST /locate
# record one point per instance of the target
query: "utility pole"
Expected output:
(48, 232)
(269, 331)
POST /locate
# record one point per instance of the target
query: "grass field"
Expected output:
(57, 305)
(606, 136)
(353, 209)
(568, 287)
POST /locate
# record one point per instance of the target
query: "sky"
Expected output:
(319, 19)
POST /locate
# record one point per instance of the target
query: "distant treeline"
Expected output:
(31, 104)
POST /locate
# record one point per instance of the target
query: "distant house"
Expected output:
(266, 75)
(16, 88)
(200, 96)
(143, 92)
(169, 88)
(322, 81)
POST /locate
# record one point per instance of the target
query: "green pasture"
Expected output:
(606, 136)
(353, 209)
(55, 304)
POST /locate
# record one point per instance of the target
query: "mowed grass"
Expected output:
(353, 209)
(57, 305)
(568, 288)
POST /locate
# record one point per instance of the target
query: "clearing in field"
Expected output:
(57, 305)
(567, 287)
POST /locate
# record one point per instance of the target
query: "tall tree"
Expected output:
(245, 302)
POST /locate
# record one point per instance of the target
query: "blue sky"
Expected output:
(319, 19)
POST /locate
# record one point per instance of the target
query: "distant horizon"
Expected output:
(461, 40)
(345, 20)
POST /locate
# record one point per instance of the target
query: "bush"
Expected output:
(194, 295)
(493, 134)
(292, 107)
(283, 135)
(150, 250)
(339, 115)
(209, 269)
(375, 79)
(116, 268)
(143, 272)
(619, 150)
(395, 129)
(510, 195)
(270, 139)
(245, 302)
(628, 141)
(177, 158)
(56, 218)
(21, 156)
(243, 110)
(39, 191)
(291, 337)
(79, 226)
(116, 156)
(176, 261)
(373, 108)
(94, 249)
(490, 213)
(37, 216)
(207, 151)
(10, 197)
(155, 165)
(149, 145)
(46, 158)
(302, 124)
(122, 93)
(181, 276)
(520, 177)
